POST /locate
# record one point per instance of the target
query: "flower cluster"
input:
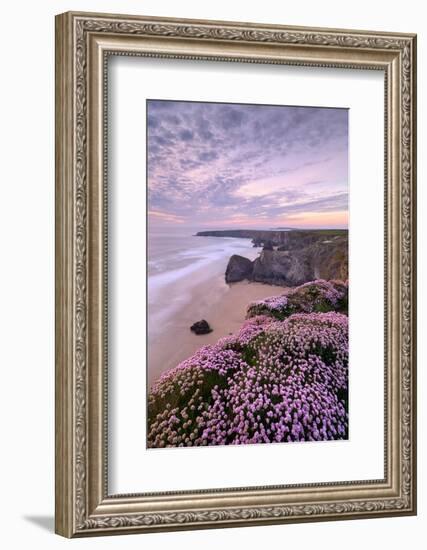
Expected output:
(274, 381)
(274, 304)
(315, 296)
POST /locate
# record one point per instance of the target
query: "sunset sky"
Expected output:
(241, 166)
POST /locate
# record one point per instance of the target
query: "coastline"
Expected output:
(224, 308)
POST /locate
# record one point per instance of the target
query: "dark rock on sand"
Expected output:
(238, 269)
(201, 327)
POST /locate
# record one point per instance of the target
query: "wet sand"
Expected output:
(223, 306)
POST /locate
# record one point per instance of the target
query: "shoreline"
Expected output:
(222, 305)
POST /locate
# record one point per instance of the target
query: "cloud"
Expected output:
(165, 217)
(186, 135)
(212, 162)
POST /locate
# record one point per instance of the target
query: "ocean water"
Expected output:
(186, 277)
(179, 256)
(186, 283)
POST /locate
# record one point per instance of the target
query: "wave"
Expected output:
(194, 260)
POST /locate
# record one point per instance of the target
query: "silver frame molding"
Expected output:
(83, 43)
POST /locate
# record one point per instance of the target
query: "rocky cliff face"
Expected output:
(284, 239)
(329, 260)
(281, 268)
(291, 265)
(320, 260)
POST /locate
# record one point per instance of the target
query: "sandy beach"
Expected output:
(223, 306)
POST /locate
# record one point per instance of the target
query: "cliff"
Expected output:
(286, 239)
(323, 259)
(315, 296)
(282, 377)
(291, 265)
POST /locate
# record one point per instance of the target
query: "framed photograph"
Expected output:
(235, 274)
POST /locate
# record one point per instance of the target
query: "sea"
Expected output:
(186, 283)
(178, 254)
(179, 263)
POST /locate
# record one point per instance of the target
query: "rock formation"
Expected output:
(238, 269)
(323, 259)
(201, 327)
(289, 257)
(286, 239)
(268, 245)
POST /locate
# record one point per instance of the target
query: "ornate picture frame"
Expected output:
(84, 42)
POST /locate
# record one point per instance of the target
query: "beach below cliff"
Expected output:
(215, 275)
(223, 306)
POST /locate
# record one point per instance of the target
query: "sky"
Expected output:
(220, 165)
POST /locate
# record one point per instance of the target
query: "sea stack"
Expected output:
(238, 269)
